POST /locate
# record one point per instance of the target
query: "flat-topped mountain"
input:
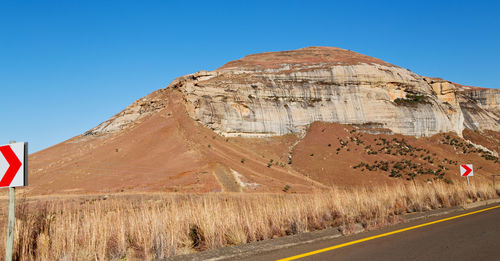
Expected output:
(252, 125)
(279, 93)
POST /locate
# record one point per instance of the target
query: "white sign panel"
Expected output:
(14, 165)
(466, 170)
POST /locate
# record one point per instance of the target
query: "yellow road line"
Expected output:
(382, 235)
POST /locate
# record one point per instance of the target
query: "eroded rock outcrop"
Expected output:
(141, 108)
(481, 109)
(479, 106)
(278, 93)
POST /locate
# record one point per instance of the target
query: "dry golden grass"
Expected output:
(157, 226)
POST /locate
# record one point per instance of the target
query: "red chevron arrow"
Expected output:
(467, 170)
(14, 165)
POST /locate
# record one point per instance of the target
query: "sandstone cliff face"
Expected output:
(488, 99)
(479, 106)
(278, 102)
(481, 109)
(283, 92)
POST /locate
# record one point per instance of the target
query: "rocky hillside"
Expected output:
(279, 93)
(239, 128)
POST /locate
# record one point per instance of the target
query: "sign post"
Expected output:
(9, 246)
(467, 171)
(13, 173)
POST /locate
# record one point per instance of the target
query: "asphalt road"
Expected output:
(472, 237)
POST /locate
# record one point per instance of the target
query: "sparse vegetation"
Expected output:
(408, 168)
(158, 226)
(411, 100)
(467, 148)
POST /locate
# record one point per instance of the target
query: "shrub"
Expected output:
(411, 100)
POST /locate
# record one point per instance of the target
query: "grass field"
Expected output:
(160, 225)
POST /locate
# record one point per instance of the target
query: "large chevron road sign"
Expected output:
(466, 170)
(14, 165)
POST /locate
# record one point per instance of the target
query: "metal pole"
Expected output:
(10, 226)
(9, 245)
(468, 183)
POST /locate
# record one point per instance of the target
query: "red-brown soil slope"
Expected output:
(167, 151)
(346, 155)
(170, 152)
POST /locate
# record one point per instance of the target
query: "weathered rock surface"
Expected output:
(481, 109)
(488, 99)
(279, 93)
(479, 106)
(145, 106)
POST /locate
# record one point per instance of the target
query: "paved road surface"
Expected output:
(473, 237)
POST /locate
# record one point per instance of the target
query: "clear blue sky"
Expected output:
(66, 66)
